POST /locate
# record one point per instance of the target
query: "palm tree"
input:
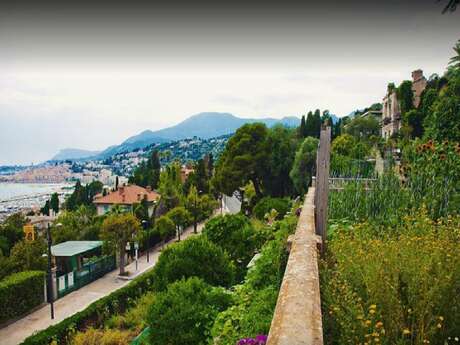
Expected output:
(455, 60)
(451, 6)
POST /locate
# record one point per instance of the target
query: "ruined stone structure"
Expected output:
(418, 85)
(391, 111)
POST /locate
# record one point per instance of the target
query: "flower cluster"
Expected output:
(259, 340)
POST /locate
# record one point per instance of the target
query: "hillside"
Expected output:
(72, 153)
(202, 125)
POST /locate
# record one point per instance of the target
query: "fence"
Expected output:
(89, 272)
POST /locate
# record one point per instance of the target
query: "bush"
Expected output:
(400, 287)
(20, 292)
(102, 337)
(235, 235)
(184, 313)
(255, 300)
(95, 314)
(196, 256)
(265, 205)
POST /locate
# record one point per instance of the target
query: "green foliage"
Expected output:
(78, 225)
(184, 313)
(363, 128)
(443, 121)
(196, 256)
(313, 124)
(400, 286)
(302, 130)
(235, 235)
(19, 293)
(455, 60)
(180, 217)
(148, 172)
(95, 314)
(265, 205)
(83, 195)
(304, 163)
(94, 336)
(348, 157)
(117, 230)
(244, 159)
(170, 185)
(282, 144)
(405, 96)
(255, 300)
(27, 256)
(165, 227)
(54, 203)
(11, 231)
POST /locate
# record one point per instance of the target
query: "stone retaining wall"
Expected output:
(297, 318)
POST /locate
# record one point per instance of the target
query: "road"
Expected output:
(79, 299)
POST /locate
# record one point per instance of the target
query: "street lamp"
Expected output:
(49, 285)
(145, 225)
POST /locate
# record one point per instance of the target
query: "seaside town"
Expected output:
(327, 214)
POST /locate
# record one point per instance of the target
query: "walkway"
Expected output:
(79, 299)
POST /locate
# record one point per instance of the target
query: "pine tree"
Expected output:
(302, 128)
(54, 203)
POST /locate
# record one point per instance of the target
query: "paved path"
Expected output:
(79, 299)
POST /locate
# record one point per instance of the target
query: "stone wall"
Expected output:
(297, 319)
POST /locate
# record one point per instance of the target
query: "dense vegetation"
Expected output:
(391, 272)
(19, 293)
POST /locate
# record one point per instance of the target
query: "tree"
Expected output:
(196, 256)
(170, 185)
(117, 231)
(185, 312)
(455, 60)
(194, 206)
(12, 231)
(180, 217)
(148, 172)
(302, 130)
(244, 159)
(165, 227)
(28, 255)
(363, 127)
(236, 236)
(54, 203)
(443, 122)
(344, 145)
(405, 96)
(282, 143)
(45, 210)
(116, 183)
(304, 164)
(81, 224)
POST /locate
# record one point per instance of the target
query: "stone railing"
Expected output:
(297, 319)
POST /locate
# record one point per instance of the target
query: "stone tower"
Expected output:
(418, 85)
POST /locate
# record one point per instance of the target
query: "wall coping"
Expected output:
(297, 319)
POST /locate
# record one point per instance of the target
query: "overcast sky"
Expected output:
(89, 77)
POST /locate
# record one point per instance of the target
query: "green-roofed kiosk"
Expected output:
(78, 263)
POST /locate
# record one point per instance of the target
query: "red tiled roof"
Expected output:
(127, 195)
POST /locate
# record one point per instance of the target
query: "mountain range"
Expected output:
(74, 154)
(203, 125)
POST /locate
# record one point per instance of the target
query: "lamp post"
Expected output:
(49, 283)
(145, 226)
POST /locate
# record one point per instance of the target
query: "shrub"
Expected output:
(255, 300)
(20, 292)
(265, 205)
(400, 287)
(95, 314)
(102, 337)
(196, 256)
(234, 234)
(184, 313)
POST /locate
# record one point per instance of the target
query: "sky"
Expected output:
(90, 76)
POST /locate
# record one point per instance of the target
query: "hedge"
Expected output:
(21, 292)
(95, 314)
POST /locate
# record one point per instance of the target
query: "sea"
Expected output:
(14, 190)
(20, 197)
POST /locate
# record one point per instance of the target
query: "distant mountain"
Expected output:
(202, 125)
(72, 153)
